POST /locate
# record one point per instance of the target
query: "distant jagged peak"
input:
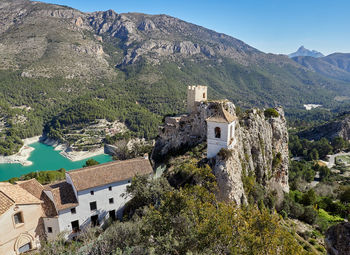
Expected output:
(302, 51)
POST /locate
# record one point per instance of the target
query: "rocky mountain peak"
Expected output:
(302, 51)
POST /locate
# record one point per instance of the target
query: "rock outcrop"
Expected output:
(330, 130)
(261, 149)
(337, 239)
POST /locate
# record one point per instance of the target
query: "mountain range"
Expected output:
(336, 65)
(67, 67)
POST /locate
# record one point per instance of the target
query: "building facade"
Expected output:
(20, 214)
(91, 195)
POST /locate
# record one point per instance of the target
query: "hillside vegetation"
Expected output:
(61, 69)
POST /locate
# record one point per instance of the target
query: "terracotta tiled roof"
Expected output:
(5, 203)
(111, 172)
(36, 189)
(18, 195)
(63, 195)
(32, 186)
(222, 116)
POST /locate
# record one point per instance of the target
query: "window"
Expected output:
(231, 133)
(217, 132)
(93, 206)
(110, 188)
(203, 95)
(92, 192)
(49, 230)
(25, 248)
(18, 218)
(73, 211)
(111, 200)
(75, 226)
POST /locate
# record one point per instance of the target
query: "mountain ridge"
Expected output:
(302, 51)
(72, 67)
(336, 65)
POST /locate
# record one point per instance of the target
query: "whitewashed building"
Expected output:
(89, 196)
(220, 131)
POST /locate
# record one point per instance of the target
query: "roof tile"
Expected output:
(36, 189)
(103, 174)
(19, 195)
(5, 203)
(222, 116)
(63, 195)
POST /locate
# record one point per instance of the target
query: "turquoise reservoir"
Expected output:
(44, 157)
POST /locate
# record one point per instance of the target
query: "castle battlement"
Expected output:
(197, 87)
(195, 94)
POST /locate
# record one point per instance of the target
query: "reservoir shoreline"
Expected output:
(22, 156)
(44, 157)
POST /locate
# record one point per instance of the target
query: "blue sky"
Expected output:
(276, 26)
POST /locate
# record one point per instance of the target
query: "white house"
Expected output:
(88, 196)
(220, 131)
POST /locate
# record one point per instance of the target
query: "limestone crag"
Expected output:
(330, 130)
(261, 149)
(338, 239)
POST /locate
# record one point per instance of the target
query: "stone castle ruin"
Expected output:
(258, 145)
(195, 94)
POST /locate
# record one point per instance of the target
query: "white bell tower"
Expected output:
(220, 131)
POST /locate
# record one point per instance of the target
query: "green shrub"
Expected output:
(309, 198)
(330, 218)
(312, 241)
(225, 153)
(309, 215)
(271, 113)
(91, 162)
(345, 196)
(276, 160)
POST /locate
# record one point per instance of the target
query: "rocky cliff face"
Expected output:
(261, 149)
(336, 128)
(338, 239)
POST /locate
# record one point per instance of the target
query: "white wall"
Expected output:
(227, 140)
(13, 236)
(69, 180)
(101, 196)
(53, 223)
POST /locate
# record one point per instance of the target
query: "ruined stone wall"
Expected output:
(261, 149)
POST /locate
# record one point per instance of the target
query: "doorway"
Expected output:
(94, 220)
(112, 215)
(75, 226)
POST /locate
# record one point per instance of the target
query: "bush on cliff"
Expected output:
(271, 113)
(225, 153)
